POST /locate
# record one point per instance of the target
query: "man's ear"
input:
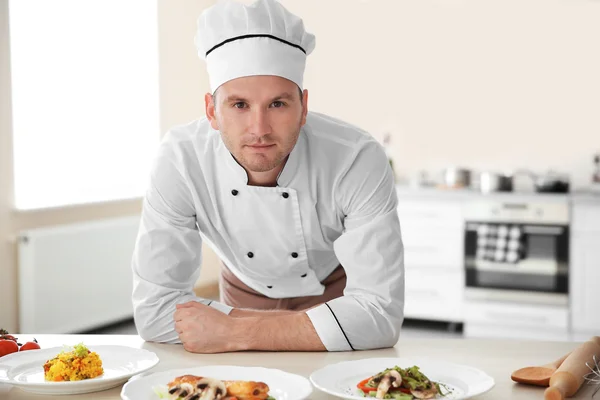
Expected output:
(210, 109)
(304, 106)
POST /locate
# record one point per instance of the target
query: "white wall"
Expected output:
(182, 85)
(501, 84)
(483, 83)
(8, 273)
(183, 78)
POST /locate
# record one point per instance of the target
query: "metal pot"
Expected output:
(457, 177)
(550, 182)
(494, 182)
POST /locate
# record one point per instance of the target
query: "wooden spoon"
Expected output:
(539, 376)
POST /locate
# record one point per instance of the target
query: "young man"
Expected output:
(300, 207)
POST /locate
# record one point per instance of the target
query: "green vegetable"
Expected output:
(439, 388)
(80, 350)
(161, 391)
(412, 378)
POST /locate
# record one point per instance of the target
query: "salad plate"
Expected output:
(349, 379)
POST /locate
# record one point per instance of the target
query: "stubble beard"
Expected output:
(261, 162)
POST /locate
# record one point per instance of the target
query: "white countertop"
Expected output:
(498, 358)
(427, 192)
(470, 194)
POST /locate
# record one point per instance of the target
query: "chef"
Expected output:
(300, 207)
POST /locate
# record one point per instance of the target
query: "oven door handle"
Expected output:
(543, 230)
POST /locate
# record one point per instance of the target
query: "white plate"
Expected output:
(26, 369)
(341, 379)
(282, 385)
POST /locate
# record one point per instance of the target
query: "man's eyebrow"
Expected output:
(284, 96)
(235, 98)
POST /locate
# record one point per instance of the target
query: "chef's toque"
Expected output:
(262, 38)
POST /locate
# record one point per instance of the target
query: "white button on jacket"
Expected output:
(335, 203)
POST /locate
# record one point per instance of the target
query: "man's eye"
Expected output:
(239, 104)
(277, 104)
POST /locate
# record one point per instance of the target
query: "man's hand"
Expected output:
(202, 329)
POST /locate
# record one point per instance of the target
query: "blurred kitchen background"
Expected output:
(489, 111)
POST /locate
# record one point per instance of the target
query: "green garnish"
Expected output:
(440, 386)
(412, 379)
(80, 350)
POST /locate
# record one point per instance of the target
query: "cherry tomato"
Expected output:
(6, 336)
(30, 346)
(362, 385)
(8, 347)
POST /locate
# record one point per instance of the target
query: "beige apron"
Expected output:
(236, 294)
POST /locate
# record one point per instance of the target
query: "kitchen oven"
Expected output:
(516, 256)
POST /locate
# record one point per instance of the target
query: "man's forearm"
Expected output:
(246, 312)
(289, 332)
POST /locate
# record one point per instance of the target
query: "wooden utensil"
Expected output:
(540, 375)
(568, 378)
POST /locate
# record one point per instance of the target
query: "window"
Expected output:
(85, 99)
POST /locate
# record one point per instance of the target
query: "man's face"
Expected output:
(259, 118)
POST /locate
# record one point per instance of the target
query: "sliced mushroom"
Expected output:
(389, 379)
(189, 387)
(183, 390)
(210, 389)
(425, 393)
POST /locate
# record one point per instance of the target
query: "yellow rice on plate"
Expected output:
(75, 365)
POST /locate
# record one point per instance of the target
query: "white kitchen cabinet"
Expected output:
(586, 216)
(434, 294)
(539, 317)
(440, 249)
(584, 273)
(515, 320)
(432, 232)
(425, 214)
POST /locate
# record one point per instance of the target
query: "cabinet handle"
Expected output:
(513, 317)
(515, 206)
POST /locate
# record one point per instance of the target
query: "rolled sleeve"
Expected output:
(224, 308)
(370, 313)
(329, 329)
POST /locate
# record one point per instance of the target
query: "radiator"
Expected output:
(76, 277)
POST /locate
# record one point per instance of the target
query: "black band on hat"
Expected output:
(254, 36)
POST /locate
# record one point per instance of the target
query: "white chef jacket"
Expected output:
(334, 203)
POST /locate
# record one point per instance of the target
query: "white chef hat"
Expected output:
(262, 38)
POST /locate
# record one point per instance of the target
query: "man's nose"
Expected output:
(260, 123)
